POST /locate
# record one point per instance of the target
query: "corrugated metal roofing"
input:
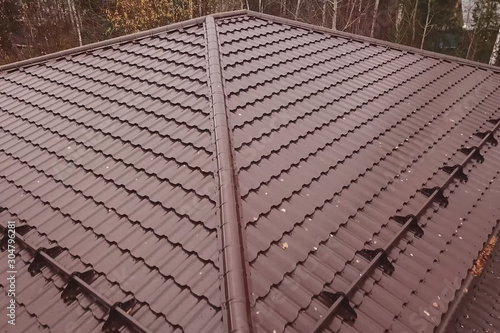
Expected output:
(108, 154)
(247, 153)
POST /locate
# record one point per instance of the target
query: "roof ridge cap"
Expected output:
(235, 294)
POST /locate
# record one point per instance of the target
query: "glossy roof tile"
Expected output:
(108, 154)
(115, 153)
(332, 137)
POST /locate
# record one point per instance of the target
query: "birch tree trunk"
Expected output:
(283, 8)
(297, 9)
(414, 21)
(374, 18)
(74, 19)
(358, 19)
(427, 24)
(334, 15)
(494, 52)
(323, 14)
(399, 20)
(349, 21)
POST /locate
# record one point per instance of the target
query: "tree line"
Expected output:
(30, 28)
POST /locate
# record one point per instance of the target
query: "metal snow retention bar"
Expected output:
(474, 153)
(48, 260)
(343, 297)
(346, 311)
(459, 174)
(235, 288)
(73, 288)
(439, 196)
(21, 230)
(417, 230)
(40, 260)
(384, 262)
(491, 138)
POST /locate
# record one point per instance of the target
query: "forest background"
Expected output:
(463, 28)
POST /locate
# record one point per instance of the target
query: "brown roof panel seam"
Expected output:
(48, 129)
(443, 135)
(387, 130)
(410, 221)
(236, 15)
(96, 81)
(109, 115)
(451, 318)
(26, 230)
(448, 132)
(117, 40)
(120, 74)
(46, 257)
(235, 285)
(311, 113)
(376, 42)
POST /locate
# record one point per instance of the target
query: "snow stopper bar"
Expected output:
(45, 257)
(339, 304)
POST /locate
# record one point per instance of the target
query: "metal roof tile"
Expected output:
(332, 136)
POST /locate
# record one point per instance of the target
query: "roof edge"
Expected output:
(375, 41)
(235, 285)
(116, 40)
(447, 321)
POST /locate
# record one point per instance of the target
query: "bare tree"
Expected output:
(283, 7)
(374, 18)
(414, 21)
(494, 52)
(399, 21)
(349, 20)
(297, 9)
(334, 14)
(427, 25)
(323, 14)
(75, 20)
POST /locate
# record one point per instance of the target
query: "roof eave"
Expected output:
(448, 319)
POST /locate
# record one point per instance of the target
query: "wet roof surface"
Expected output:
(111, 154)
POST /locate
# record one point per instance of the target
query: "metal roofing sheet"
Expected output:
(332, 138)
(108, 154)
(118, 155)
(480, 311)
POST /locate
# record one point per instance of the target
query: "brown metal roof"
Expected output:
(480, 311)
(245, 173)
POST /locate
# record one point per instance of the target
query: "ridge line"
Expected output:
(235, 294)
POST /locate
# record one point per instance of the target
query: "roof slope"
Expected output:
(334, 136)
(481, 310)
(150, 160)
(108, 154)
